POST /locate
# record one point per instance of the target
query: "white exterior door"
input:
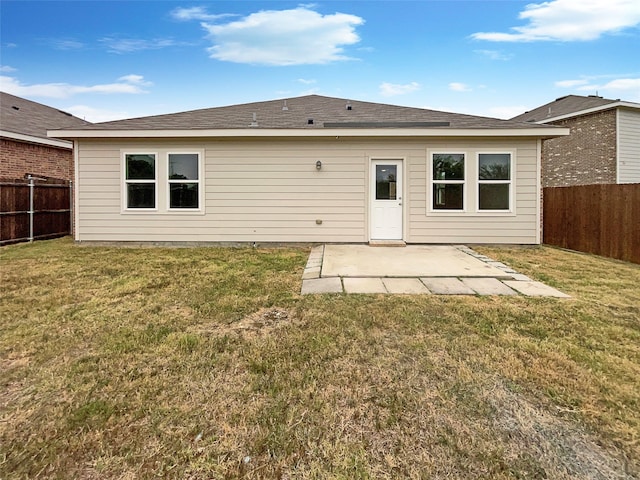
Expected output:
(386, 199)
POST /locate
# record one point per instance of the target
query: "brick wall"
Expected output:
(19, 158)
(586, 156)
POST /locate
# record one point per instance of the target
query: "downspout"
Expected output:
(539, 203)
(75, 193)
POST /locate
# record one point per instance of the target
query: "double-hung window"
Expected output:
(184, 181)
(448, 181)
(494, 181)
(140, 180)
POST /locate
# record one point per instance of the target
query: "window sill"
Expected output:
(462, 213)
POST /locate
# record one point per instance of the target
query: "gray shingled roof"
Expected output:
(296, 113)
(19, 115)
(563, 106)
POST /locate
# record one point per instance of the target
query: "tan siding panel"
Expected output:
(270, 191)
(629, 146)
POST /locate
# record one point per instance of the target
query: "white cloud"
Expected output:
(570, 20)
(507, 111)
(65, 44)
(7, 69)
(135, 79)
(623, 88)
(459, 87)
(626, 87)
(494, 55)
(96, 115)
(305, 81)
(392, 89)
(284, 37)
(130, 45)
(571, 83)
(129, 84)
(197, 13)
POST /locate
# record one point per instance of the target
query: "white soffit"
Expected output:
(39, 140)
(314, 133)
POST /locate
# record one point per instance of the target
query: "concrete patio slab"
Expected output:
(447, 286)
(410, 261)
(520, 277)
(405, 285)
(416, 269)
(536, 289)
(488, 286)
(321, 285)
(363, 285)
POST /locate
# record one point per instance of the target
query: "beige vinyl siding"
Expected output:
(628, 146)
(262, 191)
(269, 190)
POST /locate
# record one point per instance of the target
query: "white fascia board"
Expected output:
(39, 140)
(608, 106)
(315, 133)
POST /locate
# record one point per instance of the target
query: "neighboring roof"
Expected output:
(571, 106)
(310, 115)
(24, 120)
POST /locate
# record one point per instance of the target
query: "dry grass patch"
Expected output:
(207, 363)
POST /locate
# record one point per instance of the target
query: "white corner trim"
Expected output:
(39, 140)
(539, 197)
(551, 131)
(76, 191)
(617, 146)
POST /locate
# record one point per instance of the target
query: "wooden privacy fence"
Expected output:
(599, 219)
(30, 210)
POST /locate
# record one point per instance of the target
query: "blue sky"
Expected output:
(110, 60)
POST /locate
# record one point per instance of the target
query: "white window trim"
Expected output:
(125, 182)
(511, 182)
(431, 182)
(168, 182)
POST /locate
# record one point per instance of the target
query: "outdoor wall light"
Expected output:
(318, 165)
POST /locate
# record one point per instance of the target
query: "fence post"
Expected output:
(31, 195)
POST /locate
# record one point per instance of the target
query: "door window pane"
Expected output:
(386, 186)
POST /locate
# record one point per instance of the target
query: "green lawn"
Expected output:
(205, 363)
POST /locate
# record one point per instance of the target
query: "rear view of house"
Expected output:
(309, 169)
(604, 145)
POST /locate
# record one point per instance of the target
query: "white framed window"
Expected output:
(495, 182)
(184, 174)
(140, 181)
(448, 182)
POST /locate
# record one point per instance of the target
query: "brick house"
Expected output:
(24, 145)
(603, 147)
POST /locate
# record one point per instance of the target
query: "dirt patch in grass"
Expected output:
(263, 321)
(551, 446)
